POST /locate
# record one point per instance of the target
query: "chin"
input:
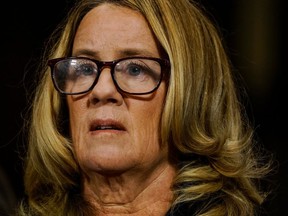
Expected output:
(110, 163)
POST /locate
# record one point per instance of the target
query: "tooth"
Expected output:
(104, 127)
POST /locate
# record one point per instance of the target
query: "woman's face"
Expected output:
(113, 132)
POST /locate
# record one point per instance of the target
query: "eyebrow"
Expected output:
(120, 54)
(135, 52)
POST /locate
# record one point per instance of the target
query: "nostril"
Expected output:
(105, 97)
(108, 100)
(94, 100)
(112, 100)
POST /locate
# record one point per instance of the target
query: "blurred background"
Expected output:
(253, 31)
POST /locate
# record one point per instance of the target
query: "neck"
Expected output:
(131, 193)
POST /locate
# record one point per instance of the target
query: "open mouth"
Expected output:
(106, 125)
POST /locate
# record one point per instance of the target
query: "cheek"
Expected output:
(145, 117)
(77, 126)
(76, 114)
(148, 115)
(146, 124)
(148, 112)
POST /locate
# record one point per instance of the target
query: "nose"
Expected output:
(105, 90)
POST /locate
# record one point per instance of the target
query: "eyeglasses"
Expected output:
(133, 75)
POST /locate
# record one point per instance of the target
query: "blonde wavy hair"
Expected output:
(203, 121)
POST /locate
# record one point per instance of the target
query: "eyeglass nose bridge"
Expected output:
(101, 65)
(105, 64)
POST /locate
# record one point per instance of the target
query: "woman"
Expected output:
(136, 113)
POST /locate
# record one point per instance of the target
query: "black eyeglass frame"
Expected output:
(164, 63)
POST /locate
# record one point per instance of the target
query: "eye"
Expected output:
(85, 69)
(134, 69)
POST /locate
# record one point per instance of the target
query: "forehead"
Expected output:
(114, 27)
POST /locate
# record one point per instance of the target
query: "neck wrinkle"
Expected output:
(148, 193)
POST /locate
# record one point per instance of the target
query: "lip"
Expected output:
(106, 125)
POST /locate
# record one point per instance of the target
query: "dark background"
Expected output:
(253, 31)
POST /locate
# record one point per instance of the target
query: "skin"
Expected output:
(126, 171)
